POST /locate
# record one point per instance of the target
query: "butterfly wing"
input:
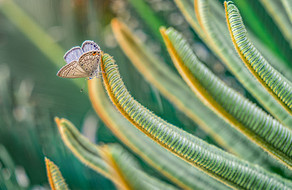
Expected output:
(89, 46)
(72, 70)
(89, 61)
(73, 54)
(81, 62)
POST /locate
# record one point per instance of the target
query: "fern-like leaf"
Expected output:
(215, 162)
(267, 132)
(127, 171)
(153, 154)
(100, 159)
(55, 177)
(174, 89)
(81, 147)
(273, 81)
(209, 31)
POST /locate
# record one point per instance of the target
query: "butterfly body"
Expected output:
(81, 61)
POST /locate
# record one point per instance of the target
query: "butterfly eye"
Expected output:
(94, 53)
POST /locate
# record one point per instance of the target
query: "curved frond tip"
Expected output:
(215, 162)
(112, 161)
(153, 154)
(171, 86)
(81, 147)
(275, 83)
(55, 177)
(245, 116)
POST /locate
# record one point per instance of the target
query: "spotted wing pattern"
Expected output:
(89, 62)
(72, 70)
(89, 46)
(81, 61)
(73, 54)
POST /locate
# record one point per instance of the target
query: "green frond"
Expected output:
(55, 177)
(259, 28)
(287, 4)
(215, 24)
(153, 154)
(174, 88)
(218, 43)
(81, 147)
(222, 31)
(277, 63)
(98, 158)
(215, 162)
(232, 120)
(127, 171)
(277, 11)
(245, 116)
(273, 81)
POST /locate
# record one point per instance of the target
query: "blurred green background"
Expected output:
(31, 94)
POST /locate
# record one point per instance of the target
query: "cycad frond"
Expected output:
(215, 162)
(55, 177)
(216, 41)
(272, 80)
(153, 154)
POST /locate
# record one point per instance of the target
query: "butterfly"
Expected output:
(81, 61)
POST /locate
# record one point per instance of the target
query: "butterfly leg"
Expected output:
(98, 72)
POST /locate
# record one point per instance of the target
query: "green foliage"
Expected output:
(55, 177)
(230, 105)
(226, 121)
(276, 83)
(112, 161)
(152, 154)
